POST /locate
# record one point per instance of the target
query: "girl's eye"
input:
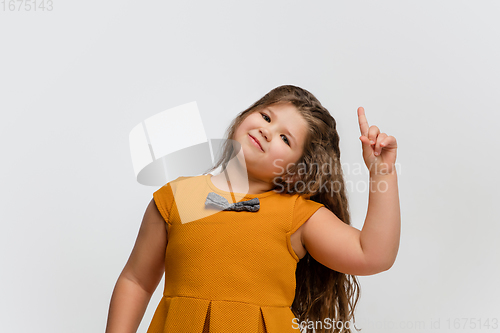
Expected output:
(265, 116)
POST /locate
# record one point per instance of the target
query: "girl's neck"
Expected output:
(236, 179)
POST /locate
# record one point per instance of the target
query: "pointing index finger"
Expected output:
(363, 123)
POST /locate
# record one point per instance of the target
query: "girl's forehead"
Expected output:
(280, 107)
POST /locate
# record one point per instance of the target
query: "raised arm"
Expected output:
(374, 248)
(140, 276)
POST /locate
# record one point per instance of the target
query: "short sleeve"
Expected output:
(164, 198)
(303, 210)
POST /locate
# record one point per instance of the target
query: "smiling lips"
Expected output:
(255, 142)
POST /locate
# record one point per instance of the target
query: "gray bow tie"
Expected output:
(214, 199)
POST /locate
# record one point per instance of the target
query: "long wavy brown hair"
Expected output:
(320, 291)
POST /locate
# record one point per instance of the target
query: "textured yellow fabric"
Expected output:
(228, 271)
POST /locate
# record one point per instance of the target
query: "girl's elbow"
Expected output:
(387, 264)
(378, 266)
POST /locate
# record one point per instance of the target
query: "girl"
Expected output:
(266, 245)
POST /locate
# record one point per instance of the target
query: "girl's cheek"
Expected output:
(279, 167)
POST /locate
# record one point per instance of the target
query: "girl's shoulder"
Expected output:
(303, 209)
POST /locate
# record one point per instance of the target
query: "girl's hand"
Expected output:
(379, 149)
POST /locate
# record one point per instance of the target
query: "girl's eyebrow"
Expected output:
(275, 116)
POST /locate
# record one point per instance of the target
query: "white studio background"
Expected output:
(75, 80)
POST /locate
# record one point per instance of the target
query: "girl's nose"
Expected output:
(265, 133)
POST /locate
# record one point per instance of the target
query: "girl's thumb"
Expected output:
(367, 147)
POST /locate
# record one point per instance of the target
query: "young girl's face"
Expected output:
(280, 131)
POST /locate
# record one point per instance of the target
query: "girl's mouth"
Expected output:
(255, 142)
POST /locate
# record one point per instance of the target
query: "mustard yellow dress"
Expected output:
(228, 271)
